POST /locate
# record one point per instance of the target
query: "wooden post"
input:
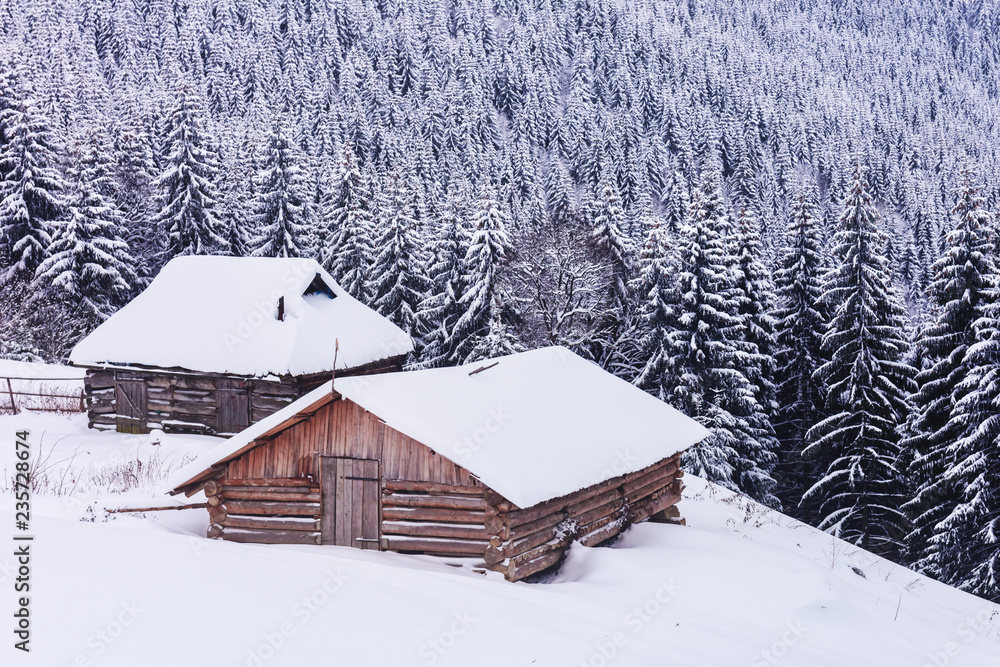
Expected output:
(10, 391)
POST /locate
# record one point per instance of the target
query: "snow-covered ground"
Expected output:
(738, 586)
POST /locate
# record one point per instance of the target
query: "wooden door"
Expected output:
(350, 502)
(233, 400)
(130, 403)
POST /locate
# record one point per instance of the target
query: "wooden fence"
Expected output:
(34, 396)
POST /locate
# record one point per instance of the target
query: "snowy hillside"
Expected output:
(739, 585)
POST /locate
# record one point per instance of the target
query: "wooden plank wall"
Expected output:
(344, 429)
(183, 402)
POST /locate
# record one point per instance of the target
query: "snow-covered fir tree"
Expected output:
(440, 311)
(89, 267)
(658, 286)
(800, 323)
(187, 185)
(398, 279)
(282, 212)
(706, 357)
(855, 448)
(953, 435)
(497, 341)
(487, 250)
(609, 239)
(31, 188)
(348, 225)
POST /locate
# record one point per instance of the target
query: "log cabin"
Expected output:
(215, 344)
(507, 461)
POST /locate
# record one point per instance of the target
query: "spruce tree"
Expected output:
(188, 194)
(438, 314)
(282, 208)
(706, 360)
(31, 189)
(487, 251)
(608, 238)
(800, 323)
(497, 341)
(954, 433)
(90, 268)
(348, 222)
(856, 446)
(657, 286)
(399, 283)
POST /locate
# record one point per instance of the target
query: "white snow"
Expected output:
(219, 315)
(740, 585)
(531, 426)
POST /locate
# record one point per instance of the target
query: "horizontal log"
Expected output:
(547, 521)
(520, 517)
(212, 487)
(670, 460)
(270, 536)
(270, 481)
(268, 404)
(599, 500)
(432, 514)
(215, 531)
(528, 542)
(269, 523)
(447, 502)
(184, 409)
(434, 546)
(255, 508)
(158, 508)
(655, 504)
(613, 508)
(521, 570)
(444, 530)
(296, 489)
(431, 488)
(268, 496)
(602, 531)
(652, 477)
(99, 379)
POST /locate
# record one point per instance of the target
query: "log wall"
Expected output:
(523, 542)
(428, 504)
(264, 511)
(188, 402)
(183, 402)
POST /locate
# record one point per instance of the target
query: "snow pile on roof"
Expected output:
(220, 315)
(531, 426)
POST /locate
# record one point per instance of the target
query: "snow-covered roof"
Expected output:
(531, 426)
(220, 315)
